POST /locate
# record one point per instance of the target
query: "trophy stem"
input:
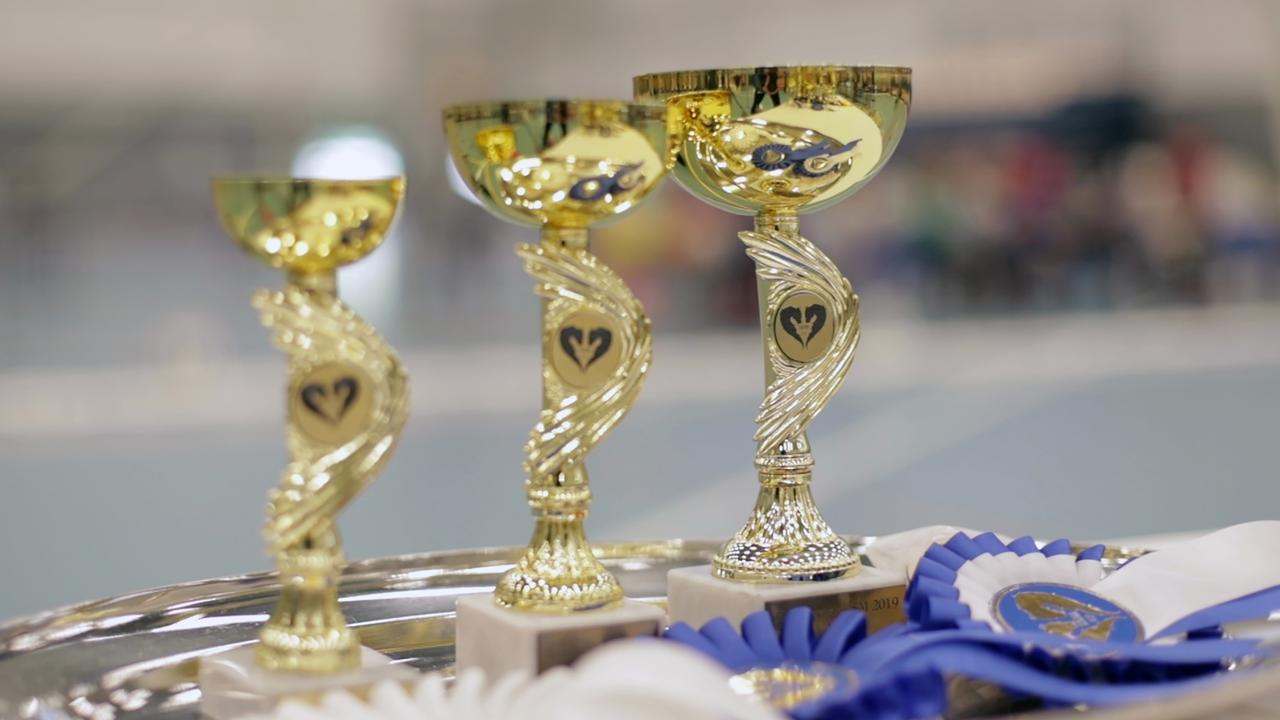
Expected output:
(786, 538)
(558, 571)
(325, 281)
(307, 631)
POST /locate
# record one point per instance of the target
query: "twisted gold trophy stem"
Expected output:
(348, 401)
(809, 321)
(596, 348)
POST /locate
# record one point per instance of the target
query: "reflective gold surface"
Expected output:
(563, 165)
(347, 395)
(307, 225)
(775, 142)
(798, 138)
(788, 685)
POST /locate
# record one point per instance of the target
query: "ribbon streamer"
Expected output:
(1189, 588)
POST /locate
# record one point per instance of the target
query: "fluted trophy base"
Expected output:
(558, 573)
(307, 631)
(786, 539)
(745, 561)
(557, 603)
(288, 650)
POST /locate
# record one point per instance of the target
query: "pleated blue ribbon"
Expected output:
(933, 600)
(901, 671)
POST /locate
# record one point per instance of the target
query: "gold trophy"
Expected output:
(347, 401)
(774, 142)
(563, 165)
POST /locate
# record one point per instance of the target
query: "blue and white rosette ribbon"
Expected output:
(805, 675)
(902, 672)
(1039, 622)
(1190, 588)
(956, 583)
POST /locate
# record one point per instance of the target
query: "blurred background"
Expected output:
(1070, 274)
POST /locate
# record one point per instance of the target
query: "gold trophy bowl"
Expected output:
(564, 165)
(346, 398)
(775, 142)
(307, 226)
(752, 140)
(558, 163)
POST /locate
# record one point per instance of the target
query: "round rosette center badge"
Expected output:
(1064, 610)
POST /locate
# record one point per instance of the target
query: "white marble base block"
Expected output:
(232, 684)
(501, 640)
(695, 596)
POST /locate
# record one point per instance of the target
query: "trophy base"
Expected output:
(500, 640)
(232, 684)
(695, 596)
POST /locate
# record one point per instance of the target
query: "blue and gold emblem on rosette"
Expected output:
(981, 581)
(1047, 623)
(809, 675)
(905, 672)
(1064, 610)
(1183, 591)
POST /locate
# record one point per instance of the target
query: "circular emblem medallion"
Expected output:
(331, 403)
(1066, 611)
(586, 349)
(790, 684)
(803, 327)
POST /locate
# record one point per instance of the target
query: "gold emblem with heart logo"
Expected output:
(331, 403)
(586, 349)
(802, 327)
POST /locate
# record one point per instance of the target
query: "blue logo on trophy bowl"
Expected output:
(1066, 611)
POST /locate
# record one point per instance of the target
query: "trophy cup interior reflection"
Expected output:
(775, 142)
(780, 140)
(563, 165)
(347, 401)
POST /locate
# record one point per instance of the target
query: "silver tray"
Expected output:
(134, 657)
